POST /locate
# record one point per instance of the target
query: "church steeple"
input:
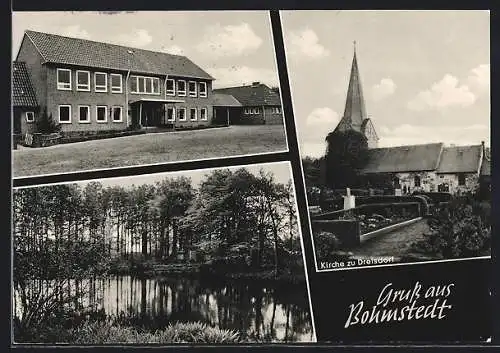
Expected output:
(355, 111)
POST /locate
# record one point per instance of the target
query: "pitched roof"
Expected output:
(460, 159)
(486, 167)
(256, 94)
(23, 94)
(354, 111)
(224, 100)
(81, 52)
(403, 158)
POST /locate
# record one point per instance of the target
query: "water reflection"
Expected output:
(276, 314)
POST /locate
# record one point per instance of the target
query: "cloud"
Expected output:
(232, 40)
(315, 127)
(306, 43)
(138, 38)
(322, 116)
(174, 49)
(443, 94)
(407, 134)
(75, 31)
(383, 89)
(479, 78)
(243, 75)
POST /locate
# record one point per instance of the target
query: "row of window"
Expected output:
(254, 111)
(194, 89)
(138, 84)
(115, 114)
(179, 114)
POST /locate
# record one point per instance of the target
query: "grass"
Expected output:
(192, 332)
(149, 149)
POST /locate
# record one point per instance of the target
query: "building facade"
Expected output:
(88, 86)
(260, 104)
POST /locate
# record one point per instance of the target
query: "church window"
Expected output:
(417, 181)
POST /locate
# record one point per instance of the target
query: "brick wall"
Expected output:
(471, 182)
(93, 99)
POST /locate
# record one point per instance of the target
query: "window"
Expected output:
(461, 179)
(83, 114)
(145, 85)
(30, 117)
(170, 114)
(192, 89)
(203, 89)
(203, 114)
(100, 82)
(116, 114)
(170, 87)
(116, 83)
(64, 79)
(277, 110)
(193, 114)
(182, 114)
(251, 111)
(83, 81)
(417, 181)
(181, 88)
(101, 114)
(65, 114)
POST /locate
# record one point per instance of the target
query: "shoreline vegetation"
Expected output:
(235, 228)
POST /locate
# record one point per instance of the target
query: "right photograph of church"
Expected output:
(392, 111)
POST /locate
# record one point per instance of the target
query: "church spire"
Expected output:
(354, 112)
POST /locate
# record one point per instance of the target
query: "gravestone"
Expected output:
(349, 200)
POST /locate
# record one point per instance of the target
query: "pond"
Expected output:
(278, 314)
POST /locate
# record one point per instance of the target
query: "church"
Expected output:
(427, 167)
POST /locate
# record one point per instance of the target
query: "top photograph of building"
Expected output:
(69, 89)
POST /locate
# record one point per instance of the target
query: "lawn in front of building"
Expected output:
(149, 149)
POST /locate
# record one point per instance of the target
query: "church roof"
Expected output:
(460, 159)
(355, 111)
(403, 158)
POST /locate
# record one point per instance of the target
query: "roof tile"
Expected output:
(81, 52)
(23, 94)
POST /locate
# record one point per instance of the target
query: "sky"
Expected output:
(234, 47)
(280, 170)
(425, 74)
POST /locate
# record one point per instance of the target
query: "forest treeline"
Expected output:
(232, 216)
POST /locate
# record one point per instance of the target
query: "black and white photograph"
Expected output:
(111, 89)
(202, 256)
(392, 111)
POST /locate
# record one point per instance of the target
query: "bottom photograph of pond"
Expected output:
(203, 256)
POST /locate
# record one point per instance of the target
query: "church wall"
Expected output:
(471, 182)
(427, 181)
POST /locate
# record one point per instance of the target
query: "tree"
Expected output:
(45, 124)
(346, 155)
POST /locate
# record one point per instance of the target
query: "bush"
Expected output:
(325, 244)
(195, 332)
(456, 230)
